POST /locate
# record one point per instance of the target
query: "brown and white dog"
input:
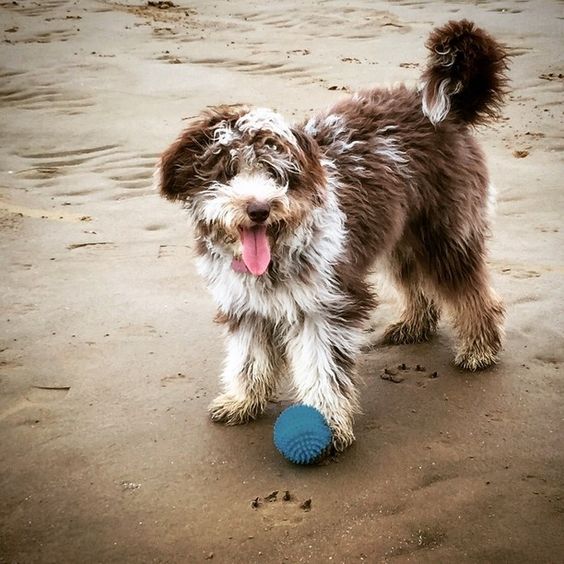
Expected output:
(289, 220)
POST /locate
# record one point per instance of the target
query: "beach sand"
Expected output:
(108, 352)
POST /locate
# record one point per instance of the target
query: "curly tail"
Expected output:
(465, 74)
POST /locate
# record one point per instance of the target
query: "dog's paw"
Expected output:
(343, 437)
(403, 333)
(475, 360)
(230, 410)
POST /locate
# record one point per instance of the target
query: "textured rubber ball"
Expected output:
(302, 434)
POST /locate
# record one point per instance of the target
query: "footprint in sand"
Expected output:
(418, 375)
(281, 509)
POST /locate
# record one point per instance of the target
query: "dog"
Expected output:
(289, 220)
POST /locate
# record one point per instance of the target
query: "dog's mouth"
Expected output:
(256, 251)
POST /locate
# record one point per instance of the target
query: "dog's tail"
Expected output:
(465, 74)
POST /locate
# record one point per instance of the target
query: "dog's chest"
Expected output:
(239, 293)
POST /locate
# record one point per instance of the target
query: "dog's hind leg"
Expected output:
(478, 316)
(418, 322)
(252, 368)
(457, 267)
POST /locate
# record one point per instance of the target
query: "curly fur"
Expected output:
(384, 176)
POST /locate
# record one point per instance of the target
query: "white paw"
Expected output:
(230, 410)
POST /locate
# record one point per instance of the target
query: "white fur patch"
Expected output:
(256, 185)
(224, 134)
(334, 122)
(386, 129)
(225, 203)
(248, 365)
(265, 119)
(341, 134)
(390, 149)
(239, 347)
(311, 126)
(436, 105)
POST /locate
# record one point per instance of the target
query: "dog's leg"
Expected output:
(321, 355)
(478, 319)
(459, 272)
(249, 377)
(418, 322)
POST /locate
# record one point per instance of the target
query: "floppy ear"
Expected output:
(189, 163)
(311, 175)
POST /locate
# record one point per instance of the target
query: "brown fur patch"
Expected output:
(471, 66)
(188, 164)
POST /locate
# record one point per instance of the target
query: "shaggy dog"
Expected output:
(290, 219)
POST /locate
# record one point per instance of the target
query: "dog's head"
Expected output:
(247, 177)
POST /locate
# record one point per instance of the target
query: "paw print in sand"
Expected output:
(403, 371)
(281, 509)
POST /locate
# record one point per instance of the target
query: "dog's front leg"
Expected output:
(321, 354)
(249, 377)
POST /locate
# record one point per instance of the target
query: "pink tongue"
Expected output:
(256, 251)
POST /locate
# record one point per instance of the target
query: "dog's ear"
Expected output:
(307, 144)
(186, 166)
(308, 155)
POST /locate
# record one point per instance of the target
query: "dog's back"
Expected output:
(407, 158)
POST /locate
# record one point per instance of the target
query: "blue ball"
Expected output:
(301, 434)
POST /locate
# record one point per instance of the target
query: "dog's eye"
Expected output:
(271, 145)
(219, 166)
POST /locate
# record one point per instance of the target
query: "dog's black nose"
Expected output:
(258, 211)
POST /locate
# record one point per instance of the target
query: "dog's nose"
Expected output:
(258, 211)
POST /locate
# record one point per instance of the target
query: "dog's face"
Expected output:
(247, 177)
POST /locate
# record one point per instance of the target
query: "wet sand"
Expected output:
(108, 352)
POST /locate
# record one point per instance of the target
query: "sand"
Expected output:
(108, 352)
